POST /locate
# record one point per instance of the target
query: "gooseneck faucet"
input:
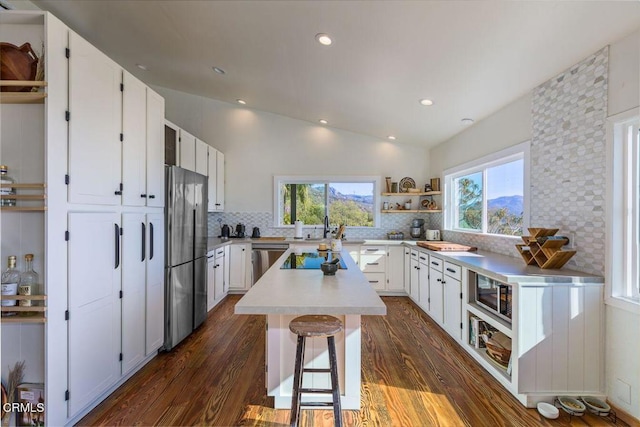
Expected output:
(326, 226)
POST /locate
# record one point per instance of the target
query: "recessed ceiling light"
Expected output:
(467, 121)
(324, 39)
(219, 70)
(323, 121)
(241, 101)
(142, 66)
(426, 102)
(391, 137)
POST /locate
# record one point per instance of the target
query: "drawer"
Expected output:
(373, 263)
(435, 263)
(376, 280)
(423, 258)
(453, 270)
(219, 252)
(414, 254)
(373, 250)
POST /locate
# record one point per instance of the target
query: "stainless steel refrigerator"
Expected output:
(185, 253)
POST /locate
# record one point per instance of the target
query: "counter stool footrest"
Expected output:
(317, 390)
(317, 370)
(316, 403)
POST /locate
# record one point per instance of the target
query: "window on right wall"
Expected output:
(623, 218)
(489, 195)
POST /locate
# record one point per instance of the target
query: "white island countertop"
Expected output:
(301, 291)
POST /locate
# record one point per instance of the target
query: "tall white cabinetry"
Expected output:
(216, 180)
(187, 144)
(93, 146)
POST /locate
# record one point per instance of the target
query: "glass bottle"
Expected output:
(28, 283)
(5, 179)
(10, 280)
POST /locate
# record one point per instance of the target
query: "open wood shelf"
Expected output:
(37, 312)
(410, 211)
(548, 254)
(22, 97)
(25, 197)
(428, 193)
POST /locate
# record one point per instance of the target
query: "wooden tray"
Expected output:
(446, 246)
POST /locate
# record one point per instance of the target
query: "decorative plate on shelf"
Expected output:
(406, 183)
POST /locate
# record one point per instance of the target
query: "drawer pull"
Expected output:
(423, 258)
(451, 270)
(372, 263)
(372, 249)
(373, 281)
(434, 263)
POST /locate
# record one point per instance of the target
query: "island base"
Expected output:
(281, 355)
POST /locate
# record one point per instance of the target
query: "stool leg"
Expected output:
(297, 382)
(335, 384)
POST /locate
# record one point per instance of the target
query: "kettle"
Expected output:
(240, 230)
(255, 234)
(225, 232)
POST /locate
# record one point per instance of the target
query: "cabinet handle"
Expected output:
(151, 241)
(118, 192)
(144, 196)
(439, 280)
(372, 249)
(423, 258)
(144, 241)
(117, 241)
(418, 268)
(451, 270)
(372, 263)
(373, 281)
(152, 196)
(434, 263)
(217, 265)
(443, 282)
(217, 204)
(209, 256)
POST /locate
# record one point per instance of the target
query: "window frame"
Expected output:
(517, 152)
(279, 180)
(622, 271)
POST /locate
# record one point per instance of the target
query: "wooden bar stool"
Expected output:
(315, 326)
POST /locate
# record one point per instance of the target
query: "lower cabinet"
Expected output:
(407, 270)
(435, 305)
(216, 288)
(414, 266)
(395, 269)
(116, 298)
(240, 271)
(452, 299)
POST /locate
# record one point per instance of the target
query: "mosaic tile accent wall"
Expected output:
(264, 220)
(567, 164)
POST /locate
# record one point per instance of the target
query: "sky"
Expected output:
(503, 180)
(361, 188)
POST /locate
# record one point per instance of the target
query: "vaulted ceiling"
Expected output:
(469, 57)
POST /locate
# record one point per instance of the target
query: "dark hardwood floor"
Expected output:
(413, 374)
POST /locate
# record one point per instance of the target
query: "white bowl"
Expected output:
(547, 410)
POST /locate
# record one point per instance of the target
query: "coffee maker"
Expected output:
(417, 228)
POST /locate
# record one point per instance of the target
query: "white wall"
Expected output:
(622, 326)
(258, 145)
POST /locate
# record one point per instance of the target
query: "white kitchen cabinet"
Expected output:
(94, 313)
(202, 157)
(407, 270)
(435, 305)
(373, 263)
(211, 279)
(240, 271)
(216, 289)
(423, 281)
(415, 276)
(395, 268)
(216, 180)
(95, 117)
(134, 145)
(154, 307)
(452, 299)
(219, 181)
(187, 143)
(227, 268)
(155, 150)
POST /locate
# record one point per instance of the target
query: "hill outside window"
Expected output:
(489, 195)
(345, 200)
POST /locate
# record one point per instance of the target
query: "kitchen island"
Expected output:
(283, 294)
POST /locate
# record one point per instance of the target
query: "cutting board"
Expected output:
(271, 238)
(446, 246)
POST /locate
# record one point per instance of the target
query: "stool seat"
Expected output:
(315, 325)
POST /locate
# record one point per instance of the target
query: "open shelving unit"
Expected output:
(38, 310)
(25, 197)
(22, 97)
(407, 194)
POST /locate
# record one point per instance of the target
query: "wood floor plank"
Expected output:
(413, 374)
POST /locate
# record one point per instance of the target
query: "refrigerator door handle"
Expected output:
(144, 242)
(117, 242)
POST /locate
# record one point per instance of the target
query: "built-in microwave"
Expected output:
(495, 296)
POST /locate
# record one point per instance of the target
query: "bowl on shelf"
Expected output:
(547, 410)
(413, 190)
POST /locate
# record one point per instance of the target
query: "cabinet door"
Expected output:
(134, 146)
(213, 176)
(237, 267)
(134, 257)
(94, 306)
(395, 268)
(436, 301)
(202, 157)
(415, 278)
(423, 284)
(155, 149)
(155, 283)
(407, 270)
(219, 277)
(219, 181)
(226, 270)
(453, 307)
(187, 150)
(95, 106)
(211, 280)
